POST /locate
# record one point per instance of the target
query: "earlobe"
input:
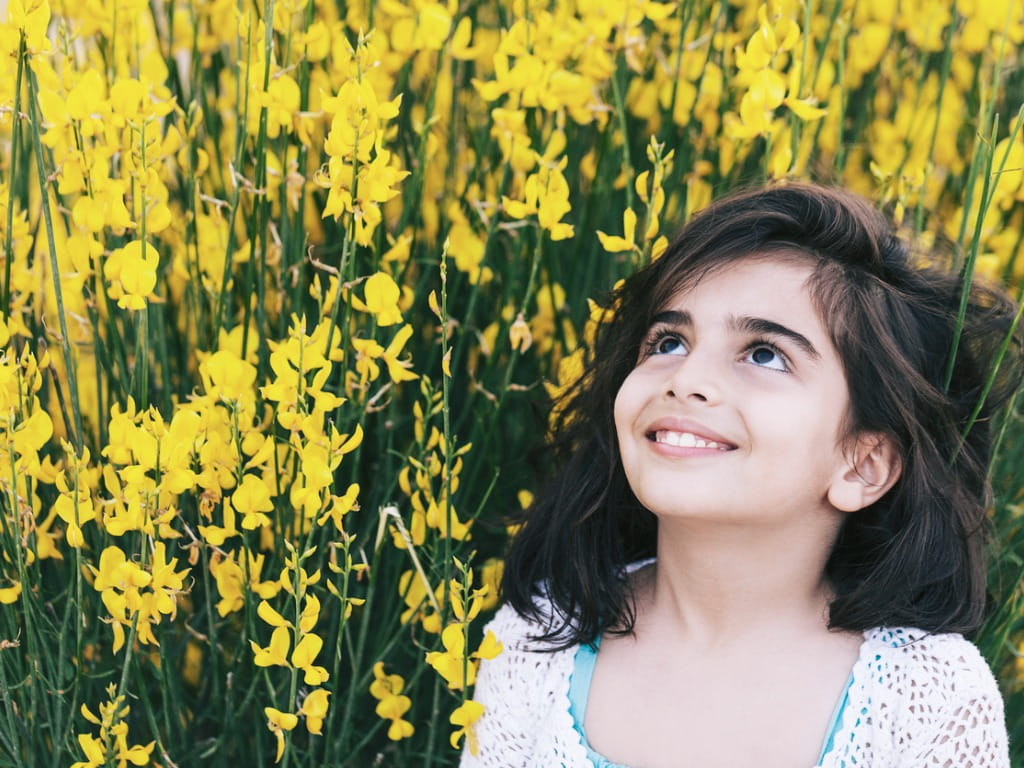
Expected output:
(872, 467)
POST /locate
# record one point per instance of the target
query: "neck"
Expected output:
(716, 581)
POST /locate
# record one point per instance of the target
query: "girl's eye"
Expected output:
(767, 356)
(666, 344)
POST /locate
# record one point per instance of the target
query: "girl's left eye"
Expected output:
(767, 356)
(667, 344)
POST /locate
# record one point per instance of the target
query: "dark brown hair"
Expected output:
(917, 556)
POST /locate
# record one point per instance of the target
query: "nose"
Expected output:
(695, 378)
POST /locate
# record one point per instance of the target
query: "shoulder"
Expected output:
(519, 632)
(947, 662)
(529, 664)
(924, 699)
(524, 691)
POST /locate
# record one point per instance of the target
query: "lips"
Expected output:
(685, 434)
(688, 440)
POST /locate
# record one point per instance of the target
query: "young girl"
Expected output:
(764, 538)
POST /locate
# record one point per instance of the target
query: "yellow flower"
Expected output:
(116, 571)
(627, 242)
(137, 754)
(266, 612)
(227, 377)
(476, 600)
(166, 583)
(465, 246)
(95, 754)
(252, 499)
(425, 30)
(131, 272)
(464, 716)
(230, 581)
(33, 433)
(547, 196)
(369, 351)
(33, 18)
(281, 720)
(305, 654)
(282, 99)
(310, 613)
(275, 654)
(383, 684)
(461, 46)
(392, 705)
(418, 605)
(382, 297)
(314, 709)
(805, 109)
(398, 370)
(444, 518)
(192, 663)
(278, 722)
(490, 647)
(112, 744)
(519, 334)
(452, 663)
(75, 509)
(216, 535)
(340, 506)
(9, 595)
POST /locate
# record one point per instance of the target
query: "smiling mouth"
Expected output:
(687, 440)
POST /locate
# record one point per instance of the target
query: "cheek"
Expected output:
(812, 442)
(621, 427)
(625, 407)
(623, 430)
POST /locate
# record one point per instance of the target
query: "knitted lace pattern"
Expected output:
(916, 701)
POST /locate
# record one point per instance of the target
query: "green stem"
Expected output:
(140, 374)
(33, 91)
(840, 161)
(15, 153)
(129, 645)
(435, 716)
(627, 162)
(30, 606)
(293, 686)
(446, 410)
(968, 269)
(947, 60)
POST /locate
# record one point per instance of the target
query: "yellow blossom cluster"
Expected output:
(392, 704)
(454, 663)
(110, 746)
(136, 596)
(426, 480)
(295, 646)
(360, 174)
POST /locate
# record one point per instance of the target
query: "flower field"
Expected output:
(287, 285)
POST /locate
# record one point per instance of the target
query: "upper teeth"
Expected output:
(687, 440)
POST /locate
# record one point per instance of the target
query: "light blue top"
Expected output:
(579, 691)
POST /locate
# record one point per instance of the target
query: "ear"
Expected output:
(871, 467)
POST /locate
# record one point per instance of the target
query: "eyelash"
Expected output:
(765, 344)
(658, 335)
(655, 337)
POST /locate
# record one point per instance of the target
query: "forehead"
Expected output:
(752, 295)
(779, 282)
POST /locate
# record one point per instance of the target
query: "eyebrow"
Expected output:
(754, 325)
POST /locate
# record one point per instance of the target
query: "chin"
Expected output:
(671, 509)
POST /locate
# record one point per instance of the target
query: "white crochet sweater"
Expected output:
(916, 701)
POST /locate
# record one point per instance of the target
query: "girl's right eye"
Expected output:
(664, 343)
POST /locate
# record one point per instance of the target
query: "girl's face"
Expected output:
(735, 409)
